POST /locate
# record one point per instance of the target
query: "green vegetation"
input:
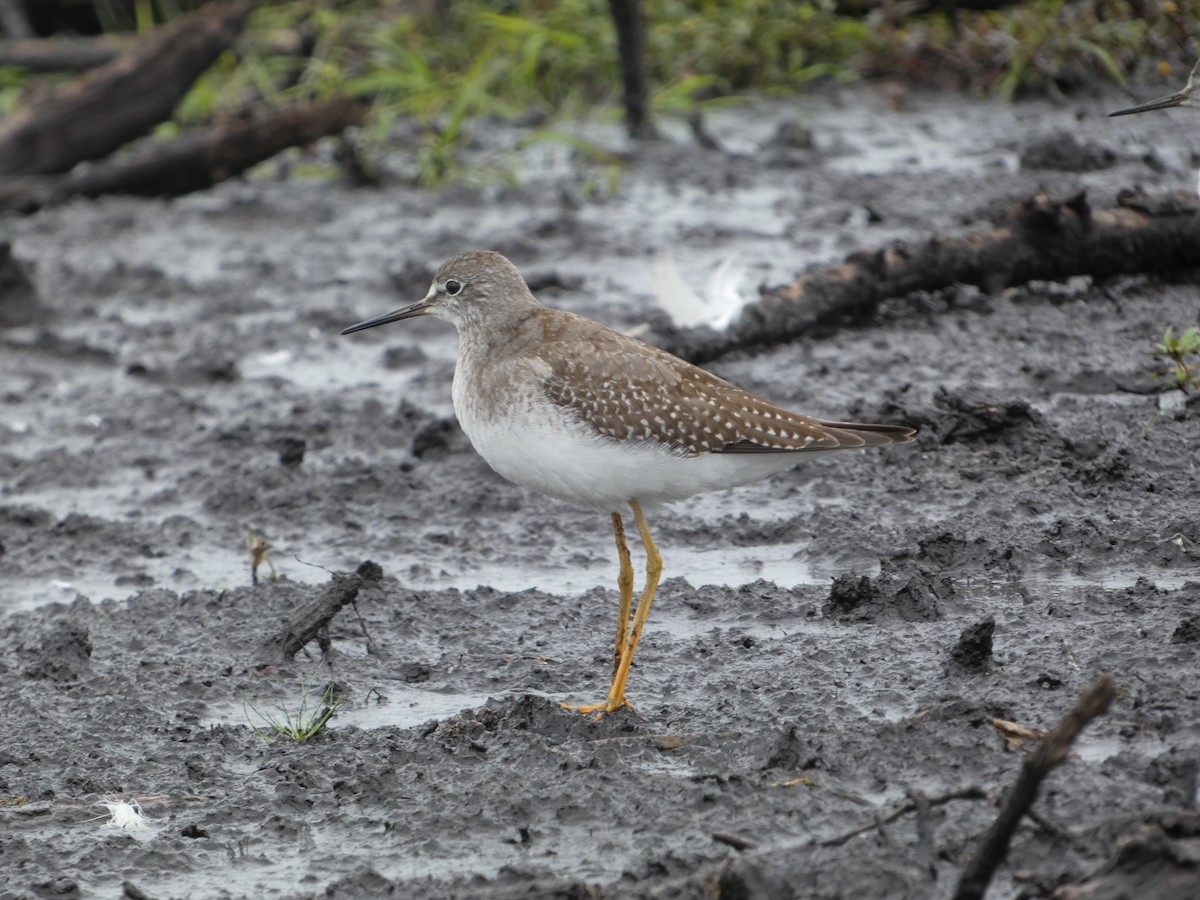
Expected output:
(560, 57)
(1182, 352)
(307, 722)
(445, 65)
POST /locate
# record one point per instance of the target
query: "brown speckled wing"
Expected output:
(630, 391)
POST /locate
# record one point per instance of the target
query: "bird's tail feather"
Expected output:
(856, 434)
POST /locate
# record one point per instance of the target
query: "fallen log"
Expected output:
(61, 54)
(92, 116)
(192, 162)
(1044, 239)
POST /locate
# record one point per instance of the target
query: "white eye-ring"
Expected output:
(453, 287)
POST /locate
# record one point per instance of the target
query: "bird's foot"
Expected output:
(602, 709)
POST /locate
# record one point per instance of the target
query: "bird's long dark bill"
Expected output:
(417, 309)
(1160, 103)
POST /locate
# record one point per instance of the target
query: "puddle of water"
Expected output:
(223, 566)
(1097, 749)
(408, 707)
(405, 706)
(735, 566)
(1070, 586)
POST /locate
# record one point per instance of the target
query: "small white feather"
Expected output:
(717, 308)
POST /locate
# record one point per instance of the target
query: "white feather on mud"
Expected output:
(717, 307)
(125, 814)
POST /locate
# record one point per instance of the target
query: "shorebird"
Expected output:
(1189, 96)
(563, 405)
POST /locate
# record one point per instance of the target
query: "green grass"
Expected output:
(303, 723)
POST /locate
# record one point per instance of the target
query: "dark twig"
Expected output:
(733, 840)
(1053, 749)
(909, 805)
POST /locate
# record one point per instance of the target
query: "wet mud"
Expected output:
(830, 645)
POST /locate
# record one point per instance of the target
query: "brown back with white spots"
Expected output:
(630, 391)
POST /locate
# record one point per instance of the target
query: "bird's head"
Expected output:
(477, 288)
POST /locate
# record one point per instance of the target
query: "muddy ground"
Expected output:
(188, 383)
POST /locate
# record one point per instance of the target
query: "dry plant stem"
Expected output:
(1053, 749)
(362, 624)
(909, 805)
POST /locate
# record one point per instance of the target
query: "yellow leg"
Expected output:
(616, 692)
(625, 583)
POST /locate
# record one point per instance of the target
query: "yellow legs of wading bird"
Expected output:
(562, 405)
(627, 639)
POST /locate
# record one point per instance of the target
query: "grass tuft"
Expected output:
(302, 724)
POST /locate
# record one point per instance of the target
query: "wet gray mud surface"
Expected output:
(803, 672)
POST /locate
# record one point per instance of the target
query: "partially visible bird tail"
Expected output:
(856, 434)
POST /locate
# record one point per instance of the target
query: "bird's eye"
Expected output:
(453, 287)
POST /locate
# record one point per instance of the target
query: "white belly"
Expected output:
(551, 453)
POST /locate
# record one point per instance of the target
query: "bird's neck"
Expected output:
(481, 336)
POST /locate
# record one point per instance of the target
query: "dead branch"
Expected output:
(197, 161)
(313, 617)
(77, 54)
(1044, 239)
(1053, 749)
(96, 113)
(189, 163)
